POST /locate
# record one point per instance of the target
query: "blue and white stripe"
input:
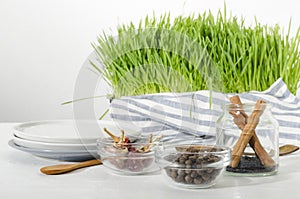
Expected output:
(191, 112)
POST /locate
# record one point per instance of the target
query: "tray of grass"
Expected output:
(237, 58)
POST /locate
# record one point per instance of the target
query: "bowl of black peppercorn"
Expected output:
(192, 166)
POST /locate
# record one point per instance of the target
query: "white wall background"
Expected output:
(43, 43)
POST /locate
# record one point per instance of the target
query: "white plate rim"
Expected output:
(18, 130)
(49, 145)
(62, 155)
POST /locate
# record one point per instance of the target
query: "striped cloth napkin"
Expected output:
(192, 112)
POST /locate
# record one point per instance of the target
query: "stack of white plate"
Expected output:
(60, 139)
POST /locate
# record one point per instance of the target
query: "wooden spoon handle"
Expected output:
(65, 168)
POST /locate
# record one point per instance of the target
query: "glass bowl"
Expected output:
(192, 166)
(128, 160)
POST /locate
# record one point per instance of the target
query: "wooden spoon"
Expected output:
(287, 149)
(65, 168)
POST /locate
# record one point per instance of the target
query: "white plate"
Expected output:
(52, 146)
(60, 131)
(62, 155)
(70, 131)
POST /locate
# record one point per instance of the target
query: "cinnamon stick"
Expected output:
(247, 134)
(240, 120)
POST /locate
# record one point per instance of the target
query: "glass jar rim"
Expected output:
(246, 106)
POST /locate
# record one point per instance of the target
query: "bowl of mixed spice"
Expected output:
(192, 166)
(128, 156)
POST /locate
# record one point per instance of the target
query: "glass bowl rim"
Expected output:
(224, 149)
(141, 140)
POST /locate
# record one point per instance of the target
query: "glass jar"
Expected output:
(260, 155)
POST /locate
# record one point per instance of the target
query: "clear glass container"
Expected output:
(127, 161)
(260, 156)
(191, 165)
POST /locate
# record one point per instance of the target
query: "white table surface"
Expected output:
(21, 178)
